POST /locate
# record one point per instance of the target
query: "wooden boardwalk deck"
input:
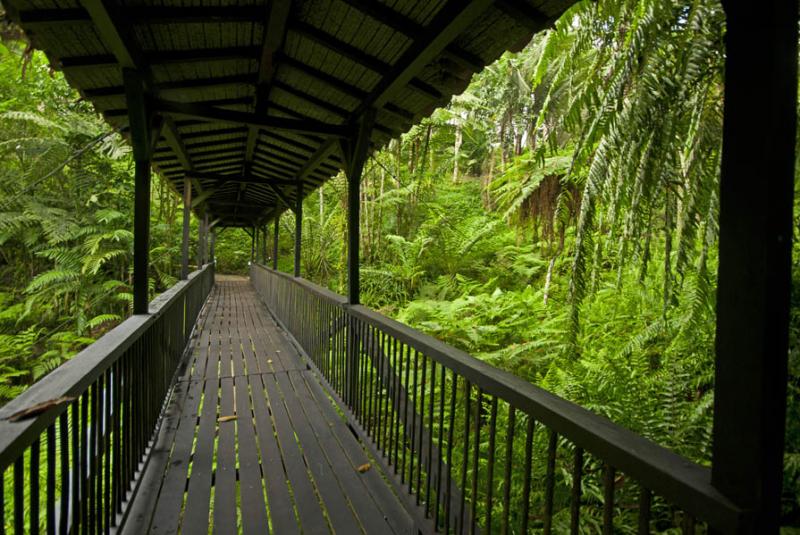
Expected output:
(251, 443)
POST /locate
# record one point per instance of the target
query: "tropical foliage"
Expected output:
(558, 219)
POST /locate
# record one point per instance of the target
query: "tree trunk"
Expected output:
(457, 150)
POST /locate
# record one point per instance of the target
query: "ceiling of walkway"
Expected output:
(253, 96)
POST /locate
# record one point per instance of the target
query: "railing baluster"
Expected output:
(63, 435)
(465, 457)
(490, 463)
(421, 425)
(644, 511)
(391, 373)
(442, 385)
(19, 494)
(76, 462)
(526, 476)
(448, 502)
(414, 450)
(50, 498)
(92, 469)
(407, 370)
(608, 499)
(2, 500)
(371, 397)
(363, 359)
(82, 452)
(575, 503)
(107, 454)
(512, 413)
(34, 497)
(429, 460)
(550, 482)
(475, 454)
(396, 374)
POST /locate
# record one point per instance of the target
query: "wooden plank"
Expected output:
(281, 508)
(333, 495)
(225, 520)
(308, 503)
(376, 507)
(253, 508)
(198, 498)
(140, 515)
(170, 499)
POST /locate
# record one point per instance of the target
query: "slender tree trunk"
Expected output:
(457, 150)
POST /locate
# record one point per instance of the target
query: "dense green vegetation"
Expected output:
(558, 219)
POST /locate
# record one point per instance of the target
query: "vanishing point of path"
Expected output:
(254, 443)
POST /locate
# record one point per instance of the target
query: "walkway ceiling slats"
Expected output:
(254, 97)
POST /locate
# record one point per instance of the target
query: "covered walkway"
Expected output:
(252, 440)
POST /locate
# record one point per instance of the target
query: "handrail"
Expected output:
(72, 377)
(102, 375)
(674, 479)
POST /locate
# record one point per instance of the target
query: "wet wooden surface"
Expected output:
(251, 442)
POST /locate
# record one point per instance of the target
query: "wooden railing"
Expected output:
(73, 467)
(478, 449)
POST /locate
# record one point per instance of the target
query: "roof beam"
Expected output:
(118, 38)
(181, 15)
(199, 83)
(193, 55)
(212, 113)
(274, 37)
(411, 29)
(525, 14)
(358, 56)
(450, 22)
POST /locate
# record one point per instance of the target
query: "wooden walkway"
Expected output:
(253, 444)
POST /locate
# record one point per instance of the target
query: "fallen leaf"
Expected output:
(363, 468)
(227, 418)
(39, 408)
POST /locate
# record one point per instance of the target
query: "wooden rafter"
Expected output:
(274, 37)
(213, 113)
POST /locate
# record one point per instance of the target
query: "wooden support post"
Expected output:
(298, 228)
(356, 155)
(187, 215)
(201, 236)
(253, 245)
(213, 238)
(264, 254)
(140, 133)
(275, 243)
(754, 284)
(205, 238)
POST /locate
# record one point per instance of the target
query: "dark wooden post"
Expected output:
(206, 232)
(264, 254)
(213, 240)
(187, 214)
(355, 152)
(357, 156)
(756, 196)
(298, 228)
(275, 243)
(252, 245)
(201, 238)
(140, 139)
(255, 244)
